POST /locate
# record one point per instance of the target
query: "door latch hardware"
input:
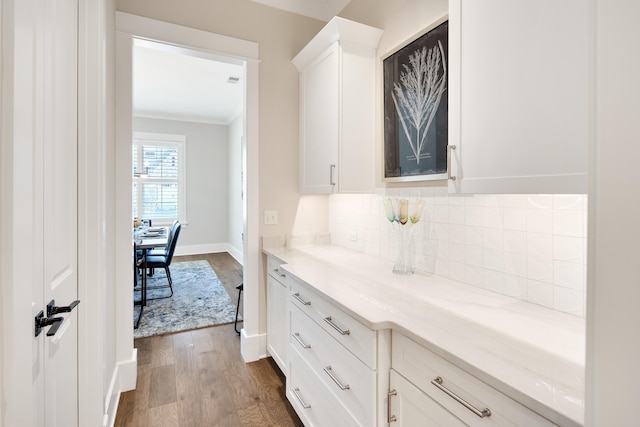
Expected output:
(53, 310)
(42, 322)
(55, 322)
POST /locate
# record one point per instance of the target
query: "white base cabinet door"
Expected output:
(277, 315)
(410, 406)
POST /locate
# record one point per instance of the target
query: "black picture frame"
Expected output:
(415, 80)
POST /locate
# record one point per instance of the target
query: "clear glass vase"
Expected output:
(405, 243)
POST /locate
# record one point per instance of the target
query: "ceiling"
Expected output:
(322, 10)
(181, 84)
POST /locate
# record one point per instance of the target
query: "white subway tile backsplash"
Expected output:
(569, 275)
(515, 219)
(493, 238)
(515, 241)
(515, 264)
(473, 255)
(540, 269)
(493, 217)
(515, 286)
(530, 247)
(539, 221)
(457, 234)
(493, 281)
(567, 248)
(456, 252)
(473, 275)
(493, 259)
(539, 244)
(473, 236)
(569, 223)
(569, 301)
(456, 214)
(540, 201)
(570, 201)
(458, 271)
(515, 201)
(540, 293)
(474, 215)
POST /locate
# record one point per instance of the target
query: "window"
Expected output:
(158, 177)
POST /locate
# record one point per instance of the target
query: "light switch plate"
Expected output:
(270, 217)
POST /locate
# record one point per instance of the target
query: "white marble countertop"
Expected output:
(532, 354)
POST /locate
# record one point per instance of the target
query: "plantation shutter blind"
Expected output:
(158, 187)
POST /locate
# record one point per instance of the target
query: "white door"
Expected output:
(55, 374)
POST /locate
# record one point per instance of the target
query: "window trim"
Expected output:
(167, 139)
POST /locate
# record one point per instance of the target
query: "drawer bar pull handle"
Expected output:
(336, 327)
(277, 271)
(391, 418)
(486, 412)
(329, 372)
(296, 393)
(302, 343)
(296, 295)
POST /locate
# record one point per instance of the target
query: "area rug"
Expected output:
(198, 300)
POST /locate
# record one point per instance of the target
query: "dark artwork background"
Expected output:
(399, 159)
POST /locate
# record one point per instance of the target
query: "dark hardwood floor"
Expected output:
(198, 378)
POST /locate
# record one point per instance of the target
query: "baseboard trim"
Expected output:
(123, 379)
(208, 248)
(252, 348)
(211, 248)
(128, 372)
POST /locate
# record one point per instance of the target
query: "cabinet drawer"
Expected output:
(349, 332)
(422, 367)
(350, 381)
(309, 397)
(273, 269)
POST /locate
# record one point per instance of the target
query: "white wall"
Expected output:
(207, 175)
(236, 188)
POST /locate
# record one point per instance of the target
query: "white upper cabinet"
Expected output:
(519, 96)
(337, 109)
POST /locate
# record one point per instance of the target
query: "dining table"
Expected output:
(145, 238)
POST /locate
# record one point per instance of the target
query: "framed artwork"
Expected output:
(415, 82)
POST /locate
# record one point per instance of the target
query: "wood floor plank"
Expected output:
(161, 350)
(164, 416)
(198, 378)
(217, 412)
(162, 389)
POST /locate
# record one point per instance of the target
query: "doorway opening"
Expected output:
(193, 44)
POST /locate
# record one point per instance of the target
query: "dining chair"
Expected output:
(162, 258)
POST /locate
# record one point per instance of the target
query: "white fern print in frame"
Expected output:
(416, 108)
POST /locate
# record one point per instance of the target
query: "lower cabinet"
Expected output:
(443, 390)
(277, 319)
(310, 399)
(410, 406)
(337, 369)
(329, 353)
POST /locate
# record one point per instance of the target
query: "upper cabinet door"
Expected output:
(337, 109)
(519, 96)
(319, 127)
